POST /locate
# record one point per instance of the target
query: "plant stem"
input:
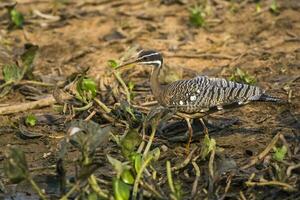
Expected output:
(83, 108)
(169, 176)
(118, 77)
(102, 105)
(37, 188)
(147, 148)
(138, 177)
(66, 196)
(93, 183)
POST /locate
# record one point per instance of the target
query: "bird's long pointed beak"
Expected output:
(128, 63)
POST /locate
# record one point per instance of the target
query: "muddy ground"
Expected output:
(74, 35)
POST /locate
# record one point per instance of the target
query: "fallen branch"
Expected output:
(284, 186)
(20, 107)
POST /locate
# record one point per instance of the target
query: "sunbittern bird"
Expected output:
(200, 95)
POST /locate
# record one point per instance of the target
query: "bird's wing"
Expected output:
(204, 92)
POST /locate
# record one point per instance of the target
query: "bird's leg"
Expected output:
(205, 129)
(190, 129)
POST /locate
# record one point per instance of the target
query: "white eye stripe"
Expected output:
(158, 62)
(148, 55)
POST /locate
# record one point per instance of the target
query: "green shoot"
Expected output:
(279, 153)
(207, 146)
(197, 16)
(241, 76)
(274, 7)
(16, 18)
(258, 7)
(12, 73)
(175, 189)
(30, 120)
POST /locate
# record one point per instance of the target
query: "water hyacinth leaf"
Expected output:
(127, 177)
(16, 18)
(130, 141)
(121, 190)
(112, 64)
(280, 153)
(15, 165)
(12, 73)
(30, 120)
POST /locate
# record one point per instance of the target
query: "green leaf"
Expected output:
(12, 73)
(86, 89)
(30, 120)
(280, 153)
(17, 18)
(112, 64)
(127, 177)
(137, 161)
(15, 165)
(121, 190)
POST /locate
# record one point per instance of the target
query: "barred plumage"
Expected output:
(202, 93)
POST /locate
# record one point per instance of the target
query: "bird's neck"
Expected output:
(156, 87)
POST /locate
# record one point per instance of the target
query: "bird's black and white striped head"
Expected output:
(150, 57)
(146, 57)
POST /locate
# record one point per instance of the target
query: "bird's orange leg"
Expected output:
(190, 129)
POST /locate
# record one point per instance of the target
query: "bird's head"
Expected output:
(146, 57)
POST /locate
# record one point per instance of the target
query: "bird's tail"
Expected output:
(269, 98)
